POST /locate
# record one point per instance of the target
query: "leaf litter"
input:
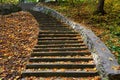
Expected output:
(18, 35)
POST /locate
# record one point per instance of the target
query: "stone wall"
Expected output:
(104, 59)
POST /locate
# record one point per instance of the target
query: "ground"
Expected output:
(18, 35)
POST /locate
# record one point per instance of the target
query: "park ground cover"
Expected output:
(18, 35)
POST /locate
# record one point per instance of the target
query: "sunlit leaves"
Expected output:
(10, 1)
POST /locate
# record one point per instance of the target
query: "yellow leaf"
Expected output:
(116, 67)
(111, 59)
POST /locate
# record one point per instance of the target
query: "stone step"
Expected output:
(58, 32)
(60, 74)
(60, 53)
(52, 66)
(58, 42)
(44, 25)
(60, 46)
(37, 59)
(53, 28)
(59, 49)
(59, 38)
(58, 35)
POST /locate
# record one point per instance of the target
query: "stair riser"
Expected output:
(53, 43)
(59, 74)
(58, 59)
(50, 39)
(59, 32)
(59, 66)
(59, 54)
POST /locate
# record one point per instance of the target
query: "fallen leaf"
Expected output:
(111, 59)
(116, 67)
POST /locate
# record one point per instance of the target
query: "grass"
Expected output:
(106, 27)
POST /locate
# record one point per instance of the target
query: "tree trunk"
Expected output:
(22, 1)
(41, 0)
(100, 7)
(56, 0)
(1, 1)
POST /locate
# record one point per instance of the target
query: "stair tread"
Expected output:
(59, 46)
(62, 41)
(61, 58)
(59, 34)
(60, 72)
(63, 48)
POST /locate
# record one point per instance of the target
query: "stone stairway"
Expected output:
(60, 52)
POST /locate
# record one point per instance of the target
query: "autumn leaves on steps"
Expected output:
(60, 52)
